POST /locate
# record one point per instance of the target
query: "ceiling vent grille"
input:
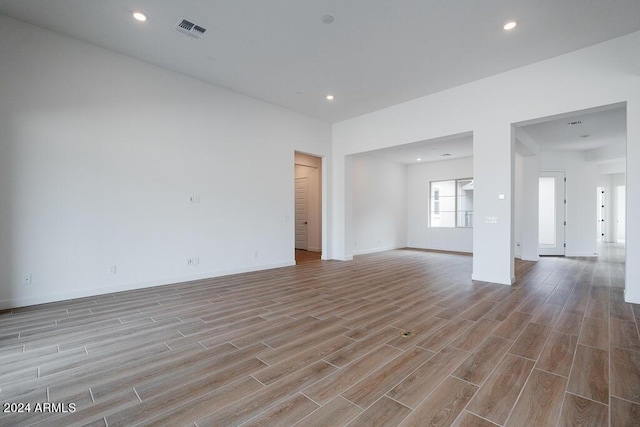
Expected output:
(190, 29)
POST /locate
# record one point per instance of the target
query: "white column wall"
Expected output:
(492, 230)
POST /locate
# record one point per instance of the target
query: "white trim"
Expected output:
(582, 254)
(375, 250)
(62, 296)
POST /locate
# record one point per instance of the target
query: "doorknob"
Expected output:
(305, 222)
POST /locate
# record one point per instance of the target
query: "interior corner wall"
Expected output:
(379, 200)
(581, 195)
(598, 75)
(100, 155)
(419, 234)
(528, 236)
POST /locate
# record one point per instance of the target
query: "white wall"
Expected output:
(600, 75)
(379, 197)
(310, 167)
(99, 154)
(581, 215)
(419, 234)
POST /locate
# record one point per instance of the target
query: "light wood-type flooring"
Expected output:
(400, 338)
(307, 256)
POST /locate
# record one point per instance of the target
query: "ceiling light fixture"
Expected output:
(329, 97)
(139, 16)
(419, 159)
(327, 19)
(510, 25)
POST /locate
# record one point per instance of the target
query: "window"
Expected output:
(451, 203)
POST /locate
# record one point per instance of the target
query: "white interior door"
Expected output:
(621, 223)
(600, 207)
(551, 213)
(302, 202)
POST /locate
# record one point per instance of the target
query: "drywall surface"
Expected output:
(114, 172)
(379, 204)
(419, 234)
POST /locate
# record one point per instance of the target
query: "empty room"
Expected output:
(319, 213)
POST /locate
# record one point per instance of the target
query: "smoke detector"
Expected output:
(190, 29)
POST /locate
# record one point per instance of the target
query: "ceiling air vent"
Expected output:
(190, 29)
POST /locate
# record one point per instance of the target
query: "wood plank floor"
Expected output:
(395, 338)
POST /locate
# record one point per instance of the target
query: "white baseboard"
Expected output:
(379, 249)
(83, 293)
(343, 258)
(582, 254)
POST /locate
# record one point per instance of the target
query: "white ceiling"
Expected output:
(433, 150)
(377, 53)
(597, 128)
(580, 131)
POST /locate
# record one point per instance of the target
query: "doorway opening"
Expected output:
(308, 208)
(590, 146)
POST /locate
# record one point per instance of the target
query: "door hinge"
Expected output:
(565, 245)
(565, 201)
(565, 179)
(565, 223)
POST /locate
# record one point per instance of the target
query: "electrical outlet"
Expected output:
(189, 261)
(196, 260)
(26, 279)
(112, 270)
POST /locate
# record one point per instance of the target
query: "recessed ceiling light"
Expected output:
(329, 97)
(510, 25)
(139, 16)
(327, 19)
